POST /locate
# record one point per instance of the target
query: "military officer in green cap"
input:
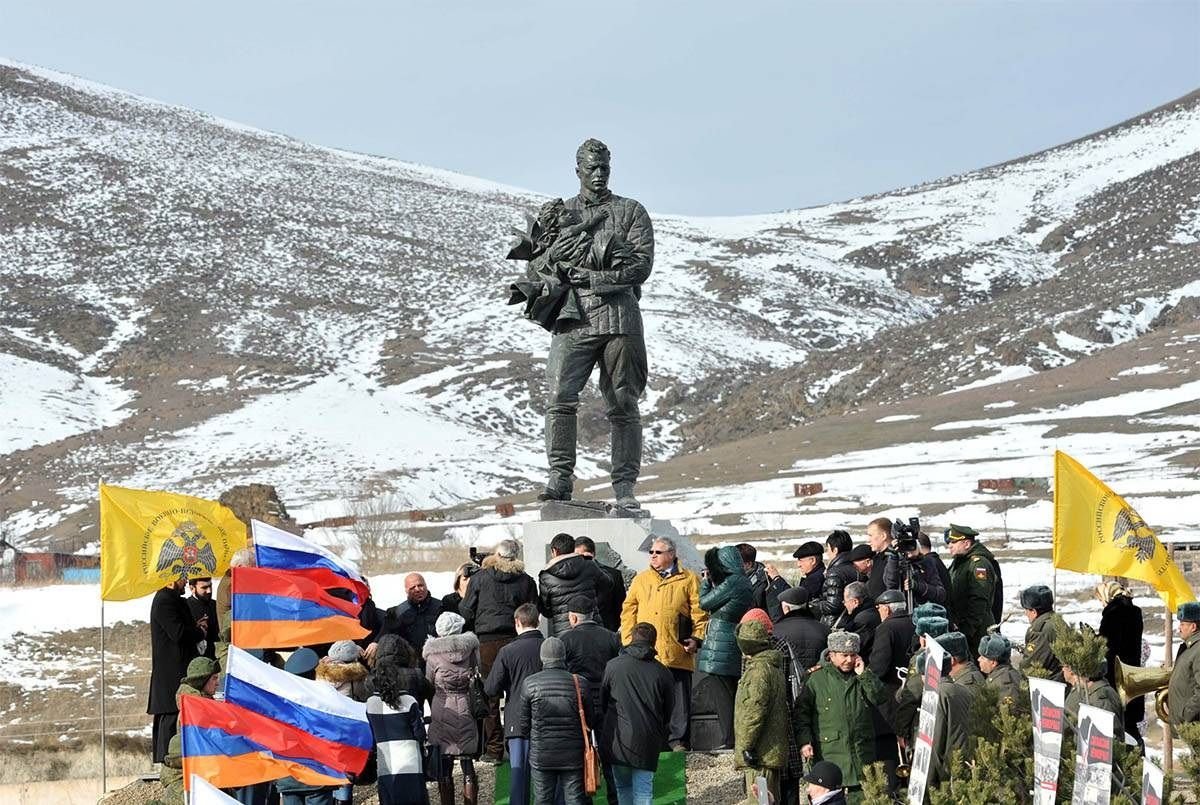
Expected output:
(1183, 696)
(1044, 626)
(976, 589)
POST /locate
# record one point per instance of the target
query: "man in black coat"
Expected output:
(589, 645)
(933, 561)
(415, 617)
(493, 595)
(805, 635)
(860, 616)
(883, 569)
(518, 659)
(889, 650)
(765, 585)
(174, 634)
(838, 573)
(608, 604)
(550, 713)
(1121, 625)
(636, 695)
(567, 575)
(201, 604)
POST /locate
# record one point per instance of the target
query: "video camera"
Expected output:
(477, 558)
(905, 535)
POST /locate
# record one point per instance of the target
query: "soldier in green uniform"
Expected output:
(908, 698)
(1044, 626)
(1183, 695)
(833, 714)
(963, 669)
(1084, 671)
(956, 696)
(976, 589)
(995, 660)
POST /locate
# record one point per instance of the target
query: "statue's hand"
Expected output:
(569, 250)
(579, 277)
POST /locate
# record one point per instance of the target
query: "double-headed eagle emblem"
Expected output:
(1130, 531)
(187, 553)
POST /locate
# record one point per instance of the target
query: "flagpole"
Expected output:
(103, 712)
(1168, 661)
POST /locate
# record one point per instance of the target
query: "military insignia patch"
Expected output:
(981, 572)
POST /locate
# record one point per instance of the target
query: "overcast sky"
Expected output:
(707, 109)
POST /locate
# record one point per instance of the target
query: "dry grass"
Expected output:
(75, 759)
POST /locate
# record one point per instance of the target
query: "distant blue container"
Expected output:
(81, 575)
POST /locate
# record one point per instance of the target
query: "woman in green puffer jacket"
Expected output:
(725, 596)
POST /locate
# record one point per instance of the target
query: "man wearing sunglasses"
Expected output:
(667, 595)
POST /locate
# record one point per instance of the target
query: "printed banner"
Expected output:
(1152, 783)
(1094, 756)
(935, 655)
(1048, 702)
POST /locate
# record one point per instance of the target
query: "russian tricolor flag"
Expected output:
(281, 609)
(280, 550)
(333, 728)
(231, 746)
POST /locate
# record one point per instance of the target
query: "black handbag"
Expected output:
(477, 700)
(435, 763)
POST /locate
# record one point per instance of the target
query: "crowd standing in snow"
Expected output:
(806, 684)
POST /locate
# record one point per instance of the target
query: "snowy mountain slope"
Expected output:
(189, 303)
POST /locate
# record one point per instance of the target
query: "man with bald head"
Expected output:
(415, 616)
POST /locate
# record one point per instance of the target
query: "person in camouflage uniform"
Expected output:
(976, 589)
(833, 714)
(995, 661)
(1044, 626)
(760, 711)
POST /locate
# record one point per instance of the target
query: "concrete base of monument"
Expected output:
(627, 537)
(587, 509)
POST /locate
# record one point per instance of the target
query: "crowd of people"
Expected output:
(807, 683)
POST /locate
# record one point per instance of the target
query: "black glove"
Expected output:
(751, 759)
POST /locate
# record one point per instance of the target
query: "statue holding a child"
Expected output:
(587, 259)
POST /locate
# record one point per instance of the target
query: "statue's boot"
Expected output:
(624, 495)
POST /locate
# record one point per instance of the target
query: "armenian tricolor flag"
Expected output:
(333, 728)
(231, 746)
(280, 609)
(280, 550)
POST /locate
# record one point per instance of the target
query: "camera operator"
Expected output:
(905, 568)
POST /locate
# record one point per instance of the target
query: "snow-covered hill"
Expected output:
(188, 303)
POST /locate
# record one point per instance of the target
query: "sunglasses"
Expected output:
(656, 553)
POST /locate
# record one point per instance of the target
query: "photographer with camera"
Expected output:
(900, 565)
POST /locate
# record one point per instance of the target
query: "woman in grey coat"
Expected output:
(450, 660)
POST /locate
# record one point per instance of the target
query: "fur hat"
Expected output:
(955, 644)
(553, 653)
(843, 642)
(1189, 612)
(932, 626)
(995, 647)
(928, 610)
(1038, 597)
(344, 651)
(449, 623)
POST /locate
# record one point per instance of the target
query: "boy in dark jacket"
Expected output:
(565, 576)
(635, 698)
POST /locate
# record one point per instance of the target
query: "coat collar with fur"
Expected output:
(338, 673)
(450, 644)
(502, 565)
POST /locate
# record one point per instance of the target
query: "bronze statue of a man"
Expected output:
(604, 261)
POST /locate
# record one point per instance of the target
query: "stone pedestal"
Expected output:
(622, 532)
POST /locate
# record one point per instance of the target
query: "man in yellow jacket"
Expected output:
(668, 596)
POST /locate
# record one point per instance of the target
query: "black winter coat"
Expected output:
(764, 591)
(413, 622)
(565, 577)
(609, 603)
(838, 574)
(805, 636)
(173, 639)
(1121, 626)
(814, 582)
(863, 622)
(885, 574)
(635, 700)
(206, 606)
(589, 648)
(493, 595)
(889, 650)
(514, 662)
(549, 715)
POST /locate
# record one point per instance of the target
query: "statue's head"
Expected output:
(592, 165)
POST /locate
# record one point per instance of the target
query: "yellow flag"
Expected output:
(149, 539)
(1096, 531)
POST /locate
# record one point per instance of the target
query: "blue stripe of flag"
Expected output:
(338, 729)
(200, 741)
(283, 559)
(264, 607)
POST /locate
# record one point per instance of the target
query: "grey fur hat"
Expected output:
(844, 642)
(995, 647)
(1038, 597)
